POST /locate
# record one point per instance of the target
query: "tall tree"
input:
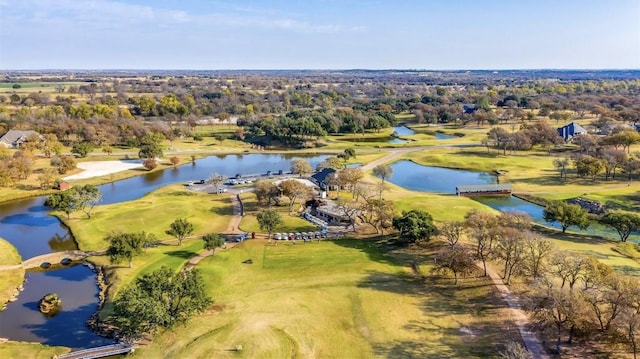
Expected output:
(452, 232)
(293, 190)
(566, 214)
(382, 171)
(350, 178)
(456, 259)
(124, 246)
(266, 192)
(537, 250)
(414, 225)
(623, 223)
(212, 241)
(160, 299)
(301, 167)
(268, 220)
(180, 228)
(482, 228)
(87, 196)
(377, 213)
(64, 201)
(511, 249)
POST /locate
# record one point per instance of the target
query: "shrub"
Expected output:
(150, 164)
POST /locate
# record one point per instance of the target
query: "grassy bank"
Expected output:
(342, 299)
(10, 279)
(29, 350)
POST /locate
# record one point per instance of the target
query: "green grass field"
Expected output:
(342, 299)
(29, 350)
(152, 213)
(12, 278)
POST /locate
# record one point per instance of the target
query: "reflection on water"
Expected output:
(27, 225)
(536, 212)
(59, 243)
(76, 287)
(435, 179)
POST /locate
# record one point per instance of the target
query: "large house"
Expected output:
(15, 138)
(569, 131)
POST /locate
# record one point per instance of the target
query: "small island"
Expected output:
(50, 304)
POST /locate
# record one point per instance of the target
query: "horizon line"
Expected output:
(326, 69)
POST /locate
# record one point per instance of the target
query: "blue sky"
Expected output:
(319, 34)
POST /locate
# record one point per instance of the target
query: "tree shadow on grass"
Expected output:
(571, 237)
(183, 254)
(628, 270)
(181, 194)
(629, 202)
(399, 283)
(482, 339)
(222, 211)
(385, 249)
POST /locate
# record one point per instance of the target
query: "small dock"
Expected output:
(484, 190)
(97, 352)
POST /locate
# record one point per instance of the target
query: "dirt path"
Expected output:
(391, 156)
(518, 316)
(232, 228)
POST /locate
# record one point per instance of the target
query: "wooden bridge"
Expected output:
(98, 352)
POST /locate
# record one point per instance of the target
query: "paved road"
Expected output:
(518, 315)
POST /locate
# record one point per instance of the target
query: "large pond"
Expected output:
(27, 225)
(416, 177)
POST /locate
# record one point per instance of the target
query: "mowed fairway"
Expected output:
(342, 299)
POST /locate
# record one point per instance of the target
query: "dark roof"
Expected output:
(468, 108)
(321, 177)
(484, 188)
(570, 130)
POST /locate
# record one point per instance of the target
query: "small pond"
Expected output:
(402, 131)
(416, 177)
(76, 286)
(442, 136)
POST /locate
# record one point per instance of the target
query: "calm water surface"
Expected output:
(76, 286)
(416, 177)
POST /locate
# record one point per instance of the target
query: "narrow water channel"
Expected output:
(417, 177)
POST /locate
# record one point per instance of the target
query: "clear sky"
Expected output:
(319, 34)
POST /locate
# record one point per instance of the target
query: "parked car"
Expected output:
(277, 236)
